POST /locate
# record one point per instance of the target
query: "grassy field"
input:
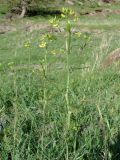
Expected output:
(42, 116)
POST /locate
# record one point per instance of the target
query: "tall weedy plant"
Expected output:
(69, 15)
(44, 44)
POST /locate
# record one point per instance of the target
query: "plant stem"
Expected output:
(44, 98)
(68, 49)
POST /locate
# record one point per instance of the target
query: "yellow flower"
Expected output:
(65, 10)
(53, 52)
(54, 22)
(71, 12)
(43, 37)
(55, 25)
(43, 44)
(27, 44)
(46, 37)
(50, 37)
(51, 21)
(78, 34)
(63, 15)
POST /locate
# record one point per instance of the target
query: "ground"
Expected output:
(35, 123)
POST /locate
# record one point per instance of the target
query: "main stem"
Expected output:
(68, 49)
(44, 99)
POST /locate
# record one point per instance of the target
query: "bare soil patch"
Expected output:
(29, 27)
(102, 12)
(7, 28)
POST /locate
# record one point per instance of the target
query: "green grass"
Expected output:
(32, 132)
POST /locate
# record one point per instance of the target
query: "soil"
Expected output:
(7, 28)
(29, 26)
(100, 12)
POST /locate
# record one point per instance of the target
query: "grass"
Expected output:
(33, 107)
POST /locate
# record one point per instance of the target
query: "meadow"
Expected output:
(57, 101)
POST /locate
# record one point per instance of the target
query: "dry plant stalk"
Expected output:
(112, 58)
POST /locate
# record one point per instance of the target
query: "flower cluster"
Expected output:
(27, 45)
(84, 36)
(67, 12)
(45, 39)
(54, 22)
(78, 34)
(54, 52)
(43, 44)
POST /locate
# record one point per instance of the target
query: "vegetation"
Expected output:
(56, 99)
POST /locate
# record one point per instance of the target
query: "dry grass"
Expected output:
(112, 58)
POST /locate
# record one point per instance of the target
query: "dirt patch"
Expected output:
(7, 28)
(32, 27)
(103, 13)
(109, 1)
(28, 27)
(116, 11)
